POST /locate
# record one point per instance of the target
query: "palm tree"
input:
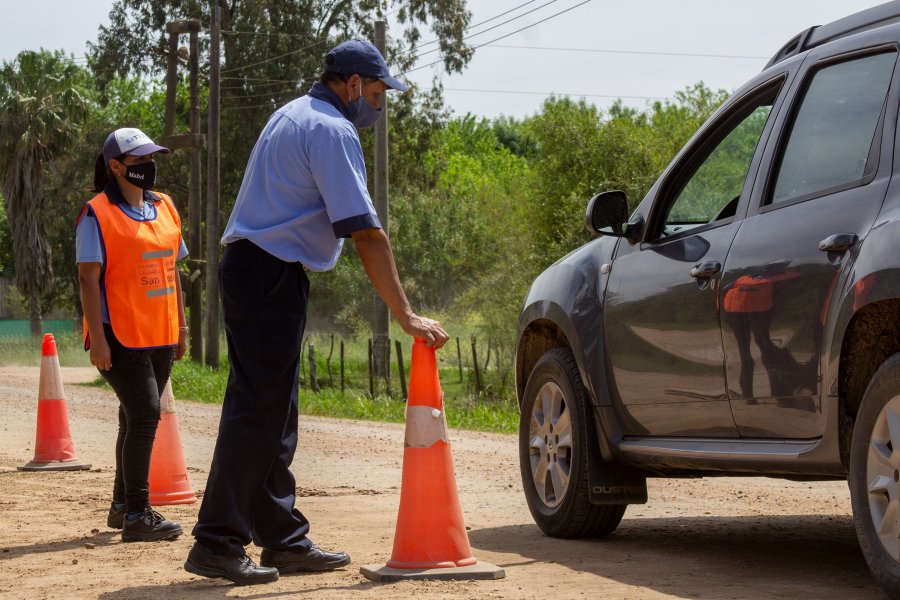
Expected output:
(41, 111)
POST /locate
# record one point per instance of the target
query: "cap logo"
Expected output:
(130, 138)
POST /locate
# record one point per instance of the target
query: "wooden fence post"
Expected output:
(371, 372)
(400, 370)
(302, 368)
(342, 366)
(387, 367)
(313, 382)
(475, 365)
(328, 363)
(459, 360)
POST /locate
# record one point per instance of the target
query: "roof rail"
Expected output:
(877, 16)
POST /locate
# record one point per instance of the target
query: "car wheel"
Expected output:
(553, 452)
(875, 475)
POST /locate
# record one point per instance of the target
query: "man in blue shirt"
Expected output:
(303, 193)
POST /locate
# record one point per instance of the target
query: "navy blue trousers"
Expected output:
(250, 492)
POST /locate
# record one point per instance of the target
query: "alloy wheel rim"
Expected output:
(550, 445)
(883, 477)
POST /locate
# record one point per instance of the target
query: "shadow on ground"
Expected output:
(218, 588)
(794, 556)
(103, 538)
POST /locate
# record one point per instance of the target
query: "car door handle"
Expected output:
(705, 270)
(839, 242)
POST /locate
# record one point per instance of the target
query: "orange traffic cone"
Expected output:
(430, 541)
(53, 447)
(168, 476)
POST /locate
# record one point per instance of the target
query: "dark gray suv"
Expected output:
(745, 318)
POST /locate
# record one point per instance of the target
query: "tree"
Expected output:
(620, 149)
(272, 51)
(41, 111)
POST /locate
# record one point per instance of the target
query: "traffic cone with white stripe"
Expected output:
(53, 447)
(430, 541)
(168, 474)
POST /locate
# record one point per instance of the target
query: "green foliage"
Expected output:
(721, 176)
(7, 265)
(478, 207)
(272, 52)
(582, 152)
(25, 351)
(42, 111)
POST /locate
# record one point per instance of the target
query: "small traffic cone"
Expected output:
(430, 541)
(53, 447)
(168, 475)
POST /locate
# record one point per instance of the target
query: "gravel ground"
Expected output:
(703, 538)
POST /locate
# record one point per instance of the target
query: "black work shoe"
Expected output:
(312, 560)
(238, 569)
(149, 527)
(115, 517)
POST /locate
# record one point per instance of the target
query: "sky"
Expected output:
(640, 50)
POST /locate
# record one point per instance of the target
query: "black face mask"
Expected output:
(143, 175)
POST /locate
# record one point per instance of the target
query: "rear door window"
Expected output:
(832, 144)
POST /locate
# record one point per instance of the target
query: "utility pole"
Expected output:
(212, 193)
(195, 241)
(380, 332)
(194, 141)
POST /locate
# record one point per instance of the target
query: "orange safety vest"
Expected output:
(754, 293)
(139, 273)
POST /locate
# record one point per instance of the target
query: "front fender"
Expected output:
(565, 307)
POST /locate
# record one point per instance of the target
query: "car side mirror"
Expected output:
(607, 214)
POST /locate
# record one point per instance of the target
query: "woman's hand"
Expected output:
(100, 354)
(182, 344)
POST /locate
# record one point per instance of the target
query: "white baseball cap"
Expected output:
(129, 141)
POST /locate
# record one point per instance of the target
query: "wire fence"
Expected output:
(468, 368)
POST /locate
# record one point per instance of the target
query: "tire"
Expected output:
(553, 452)
(875, 476)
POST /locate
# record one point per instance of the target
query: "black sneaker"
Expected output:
(115, 517)
(149, 527)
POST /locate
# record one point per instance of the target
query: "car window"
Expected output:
(713, 190)
(832, 135)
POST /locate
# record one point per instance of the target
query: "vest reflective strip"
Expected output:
(160, 292)
(158, 254)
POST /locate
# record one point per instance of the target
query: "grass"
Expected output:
(26, 351)
(494, 409)
(191, 381)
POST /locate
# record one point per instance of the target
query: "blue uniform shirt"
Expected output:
(88, 246)
(304, 189)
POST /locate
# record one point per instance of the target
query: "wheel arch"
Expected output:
(871, 337)
(537, 338)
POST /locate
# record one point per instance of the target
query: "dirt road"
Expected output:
(706, 538)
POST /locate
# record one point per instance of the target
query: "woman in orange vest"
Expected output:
(127, 240)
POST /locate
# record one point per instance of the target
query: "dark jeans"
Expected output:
(250, 492)
(138, 377)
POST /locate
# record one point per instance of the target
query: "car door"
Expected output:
(818, 193)
(661, 317)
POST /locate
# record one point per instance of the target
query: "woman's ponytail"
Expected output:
(101, 174)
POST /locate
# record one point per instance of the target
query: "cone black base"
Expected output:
(56, 466)
(478, 571)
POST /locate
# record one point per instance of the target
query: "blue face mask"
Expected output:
(361, 113)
